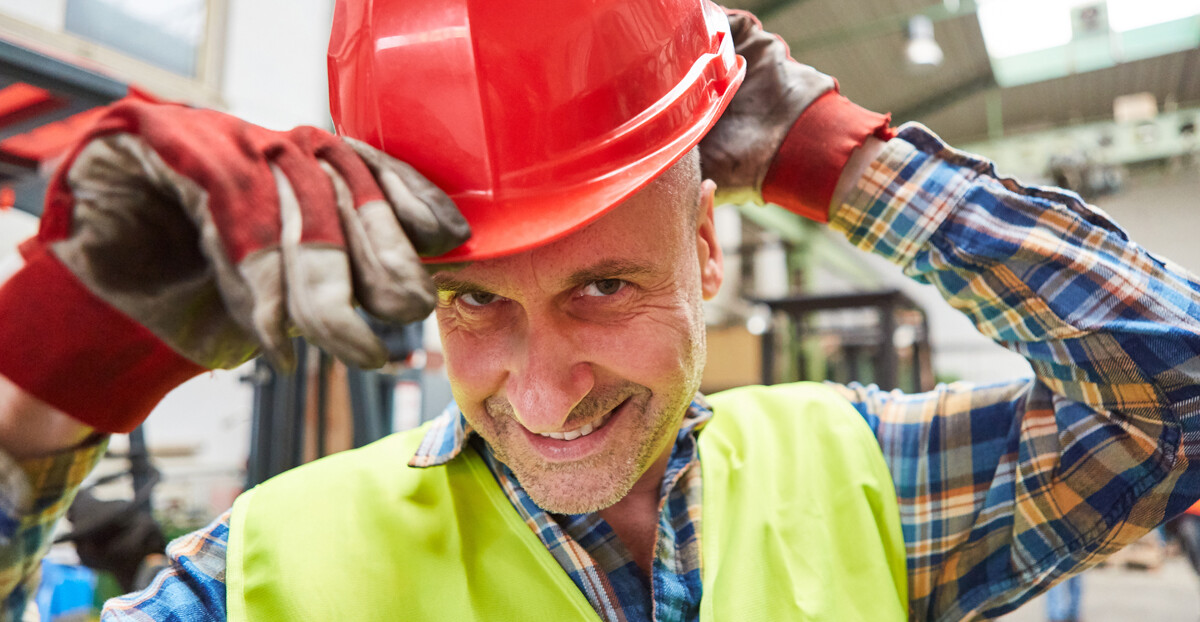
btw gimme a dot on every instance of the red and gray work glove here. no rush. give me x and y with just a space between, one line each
788 133
177 240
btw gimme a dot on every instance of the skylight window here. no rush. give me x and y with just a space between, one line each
1014 27
1033 40
1126 15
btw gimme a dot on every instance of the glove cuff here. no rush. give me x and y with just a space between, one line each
805 170
71 350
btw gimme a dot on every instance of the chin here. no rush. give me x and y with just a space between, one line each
578 488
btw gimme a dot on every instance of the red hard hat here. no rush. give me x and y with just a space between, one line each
535 116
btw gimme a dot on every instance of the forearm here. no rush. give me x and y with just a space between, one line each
38 482
34 495
30 428
44 457
1049 474
192 587
856 168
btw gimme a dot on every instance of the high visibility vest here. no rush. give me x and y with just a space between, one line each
799 522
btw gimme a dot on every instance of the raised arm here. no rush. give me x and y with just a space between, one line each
1006 489
177 240
1003 489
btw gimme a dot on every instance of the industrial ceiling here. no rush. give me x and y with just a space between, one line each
862 42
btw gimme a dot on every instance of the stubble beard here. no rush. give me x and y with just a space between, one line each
649 426
602 479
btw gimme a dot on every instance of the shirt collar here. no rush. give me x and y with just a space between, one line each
449 433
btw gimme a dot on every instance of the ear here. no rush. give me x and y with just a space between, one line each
708 249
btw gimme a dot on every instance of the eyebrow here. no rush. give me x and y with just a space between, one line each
447 283
606 269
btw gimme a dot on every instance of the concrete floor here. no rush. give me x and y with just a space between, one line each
1170 593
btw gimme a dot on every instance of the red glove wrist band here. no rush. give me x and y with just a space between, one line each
69 349
805 171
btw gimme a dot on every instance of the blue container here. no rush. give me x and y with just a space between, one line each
65 591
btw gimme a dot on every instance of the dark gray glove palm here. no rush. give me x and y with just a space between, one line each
737 152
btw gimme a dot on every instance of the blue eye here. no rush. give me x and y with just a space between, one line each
478 299
604 287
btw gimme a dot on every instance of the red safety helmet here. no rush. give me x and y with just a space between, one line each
535 116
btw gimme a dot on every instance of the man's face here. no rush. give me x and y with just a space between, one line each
576 361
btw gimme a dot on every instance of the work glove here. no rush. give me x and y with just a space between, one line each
788 132
177 240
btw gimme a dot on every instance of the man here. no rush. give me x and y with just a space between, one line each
577 474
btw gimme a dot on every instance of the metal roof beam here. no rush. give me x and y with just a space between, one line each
24 65
773 8
73 107
947 97
15 167
882 26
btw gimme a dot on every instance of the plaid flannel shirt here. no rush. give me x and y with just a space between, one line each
1003 489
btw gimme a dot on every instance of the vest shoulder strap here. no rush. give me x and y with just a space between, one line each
800 517
361 532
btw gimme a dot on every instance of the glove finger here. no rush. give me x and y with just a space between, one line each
348 167
313 194
389 279
243 248
319 296
255 294
428 215
741 23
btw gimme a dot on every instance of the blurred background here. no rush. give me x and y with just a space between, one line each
1100 96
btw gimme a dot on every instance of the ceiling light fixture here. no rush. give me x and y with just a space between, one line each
922 50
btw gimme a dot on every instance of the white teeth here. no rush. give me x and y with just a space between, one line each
583 431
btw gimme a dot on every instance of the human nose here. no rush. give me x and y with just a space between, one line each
548 377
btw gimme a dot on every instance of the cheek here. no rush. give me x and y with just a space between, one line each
474 362
652 349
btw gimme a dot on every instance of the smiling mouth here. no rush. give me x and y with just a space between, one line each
585 429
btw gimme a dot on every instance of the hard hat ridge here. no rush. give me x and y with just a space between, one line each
536 117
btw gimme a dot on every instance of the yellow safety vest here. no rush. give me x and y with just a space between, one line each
799 522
